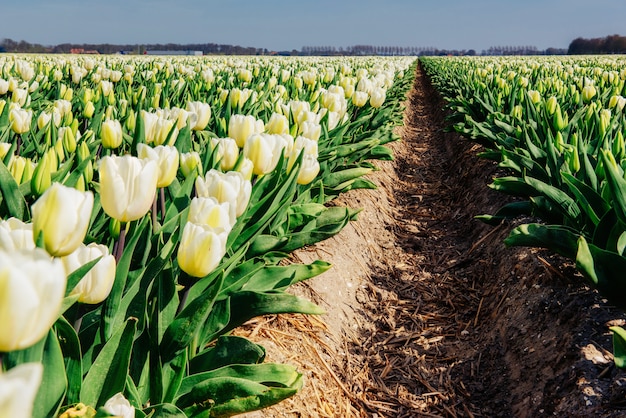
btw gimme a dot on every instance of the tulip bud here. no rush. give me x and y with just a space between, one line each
551 105
111 133
201 249
4 149
588 93
68 139
127 186
89 110
62 214
534 96
559 120
19 388
202 111
33 287
97 283
517 111
42 176
190 164
605 121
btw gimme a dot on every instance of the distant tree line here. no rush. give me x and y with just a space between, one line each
613 44
9 45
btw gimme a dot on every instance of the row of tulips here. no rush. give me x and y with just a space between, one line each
148 207
557 125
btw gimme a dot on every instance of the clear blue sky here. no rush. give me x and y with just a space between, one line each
291 24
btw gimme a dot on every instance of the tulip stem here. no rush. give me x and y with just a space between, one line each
154 215
162 196
119 250
1 357
19 144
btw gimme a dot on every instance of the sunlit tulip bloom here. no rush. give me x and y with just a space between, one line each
127 186
20 119
202 111
229 187
311 130
62 215
164 132
119 406
259 149
21 169
167 159
244 75
588 93
4 86
33 286
534 96
551 105
365 84
308 170
111 133
45 117
89 110
278 124
16 234
190 164
64 106
208 211
334 119
4 149
246 168
304 145
19 96
377 97
359 98
227 152
18 388
240 127
298 107
97 283
201 249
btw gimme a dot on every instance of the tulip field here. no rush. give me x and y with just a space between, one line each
556 126
148 206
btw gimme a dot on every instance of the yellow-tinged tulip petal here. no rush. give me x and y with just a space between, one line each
127 186
32 286
201 249
62 214
97 283
19 387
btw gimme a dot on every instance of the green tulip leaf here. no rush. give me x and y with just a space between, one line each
54 381
107 375
619 346
559 239
227 350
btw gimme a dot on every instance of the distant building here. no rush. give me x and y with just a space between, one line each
187 52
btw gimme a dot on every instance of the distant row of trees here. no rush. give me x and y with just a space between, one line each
614 44
9 45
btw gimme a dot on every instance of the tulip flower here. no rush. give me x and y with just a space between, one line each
190 164
308 170
278 124
201 249
111 133
264 150
588 93
20 120
359 98
33 286
97 283
4 149
16 234
208 211
18 388
4 86
62 215
127 186
119 406
167 159
240 127
202 111
246 168
227 152
229 187
377 97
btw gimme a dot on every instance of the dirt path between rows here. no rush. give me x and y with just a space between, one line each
429 314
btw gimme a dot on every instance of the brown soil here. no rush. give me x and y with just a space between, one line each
429 314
